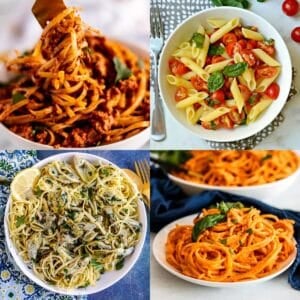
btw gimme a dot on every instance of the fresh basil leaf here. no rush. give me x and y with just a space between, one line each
269 42
224 207
217 2
261 0
173 158
20 221
234 3
246 4
215 50
215 81
213 102
268 156
204 223
120 264
17 97
213 125
198 39
96 265
123 72
235 69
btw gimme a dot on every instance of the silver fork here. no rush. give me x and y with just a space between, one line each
158 127
142 169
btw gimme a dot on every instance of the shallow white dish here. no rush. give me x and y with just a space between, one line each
158 249
108 278
184 31
260 192
14 141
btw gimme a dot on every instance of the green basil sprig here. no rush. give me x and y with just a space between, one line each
123 72
215 81
198 39
214 219
235 69
215 50
234 3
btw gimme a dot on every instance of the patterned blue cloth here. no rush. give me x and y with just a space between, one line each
15 285
169 203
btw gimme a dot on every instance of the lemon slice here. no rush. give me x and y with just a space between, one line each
23 183
135 178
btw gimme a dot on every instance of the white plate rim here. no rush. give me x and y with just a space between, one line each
158 250
18 260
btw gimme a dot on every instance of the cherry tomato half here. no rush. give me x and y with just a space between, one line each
181 93
217 58
296 34
218 95
229 38
265 72
249 57
230 48
235 116
267 48
273 91
290 7
177 67
226 122
198 83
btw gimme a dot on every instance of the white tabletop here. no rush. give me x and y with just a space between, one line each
286 136
167 286
114 18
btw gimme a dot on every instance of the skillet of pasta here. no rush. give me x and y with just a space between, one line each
231 243
76 88
225 75
238 168
77 222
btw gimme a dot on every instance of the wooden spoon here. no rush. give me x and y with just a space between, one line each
45 11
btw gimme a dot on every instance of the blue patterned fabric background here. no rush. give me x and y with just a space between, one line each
15 285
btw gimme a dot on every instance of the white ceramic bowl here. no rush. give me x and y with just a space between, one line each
107 279
158 248
260 192
14 141
183 33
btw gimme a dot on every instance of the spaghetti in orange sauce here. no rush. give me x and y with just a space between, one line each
76 88
246 245
238 168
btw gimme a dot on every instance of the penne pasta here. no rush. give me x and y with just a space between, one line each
196 98
252 35
258 108
266 58
216 113
178 81
264 83
217 66
216 23
236 93
195 68
230 25
201 59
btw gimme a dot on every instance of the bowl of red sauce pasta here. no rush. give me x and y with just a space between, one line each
225 74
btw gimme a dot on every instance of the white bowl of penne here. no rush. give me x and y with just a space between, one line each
225 74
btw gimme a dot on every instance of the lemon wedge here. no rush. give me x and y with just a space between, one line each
23 183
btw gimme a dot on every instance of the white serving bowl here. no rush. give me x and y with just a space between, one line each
184 31
14 141
107 279
259 192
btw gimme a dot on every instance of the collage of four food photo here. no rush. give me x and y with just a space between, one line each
149 149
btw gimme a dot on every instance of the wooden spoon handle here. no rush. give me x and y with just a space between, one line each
45 11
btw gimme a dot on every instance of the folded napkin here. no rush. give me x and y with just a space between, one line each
13 283
169 203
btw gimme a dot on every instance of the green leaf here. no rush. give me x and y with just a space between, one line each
268 156
217 2
123 72
20 221
215 81
120 264
213 102
173 158
198 39
215 50
94 263
235 69
224 207
249 231
38 192
213 125
206 222
269 42
261 0
234 3
17 97
223 241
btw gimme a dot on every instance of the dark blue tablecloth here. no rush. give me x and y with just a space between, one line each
135 285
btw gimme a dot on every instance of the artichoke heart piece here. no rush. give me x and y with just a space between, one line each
86 171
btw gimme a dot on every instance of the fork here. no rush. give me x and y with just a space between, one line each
158 127
142 169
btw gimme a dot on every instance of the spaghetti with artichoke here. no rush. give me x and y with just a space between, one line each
76 88
78 221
